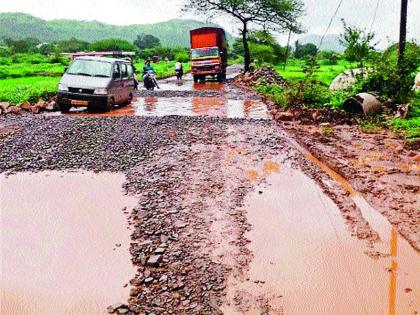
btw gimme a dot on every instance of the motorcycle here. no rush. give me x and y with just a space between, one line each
150 80
179 73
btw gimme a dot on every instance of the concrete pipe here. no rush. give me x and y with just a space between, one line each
362 103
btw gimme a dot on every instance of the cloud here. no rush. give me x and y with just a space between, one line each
318 13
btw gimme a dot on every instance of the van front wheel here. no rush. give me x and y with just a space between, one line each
110 105
64 108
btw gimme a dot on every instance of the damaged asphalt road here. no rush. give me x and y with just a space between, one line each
195 233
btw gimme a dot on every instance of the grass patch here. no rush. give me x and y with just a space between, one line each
409 127
369 127
325 73
21 70
16 91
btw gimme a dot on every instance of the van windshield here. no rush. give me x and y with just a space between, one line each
204 52
91 68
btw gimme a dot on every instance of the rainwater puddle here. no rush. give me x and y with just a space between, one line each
201 106
306 261
186 106
217 106
64 243
187 84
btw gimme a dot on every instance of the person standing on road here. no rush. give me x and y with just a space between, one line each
136 80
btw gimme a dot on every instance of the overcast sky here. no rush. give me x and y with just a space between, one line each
318 13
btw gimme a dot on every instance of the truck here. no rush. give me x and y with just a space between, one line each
209 53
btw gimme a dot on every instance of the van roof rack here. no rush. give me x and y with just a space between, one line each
113 54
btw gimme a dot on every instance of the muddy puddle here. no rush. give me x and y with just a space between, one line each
305 260
187 106
64 243
187 84
217 106
201 106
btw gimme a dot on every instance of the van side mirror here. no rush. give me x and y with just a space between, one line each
115 75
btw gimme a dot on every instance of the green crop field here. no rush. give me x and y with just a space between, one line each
19 90
326 73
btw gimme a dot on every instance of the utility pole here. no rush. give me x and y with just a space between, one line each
403 32
287 49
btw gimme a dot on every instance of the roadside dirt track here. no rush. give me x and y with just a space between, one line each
231 217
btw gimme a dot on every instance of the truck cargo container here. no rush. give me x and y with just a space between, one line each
209 53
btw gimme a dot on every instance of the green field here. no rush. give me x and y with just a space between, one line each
326 73
30 77
19 90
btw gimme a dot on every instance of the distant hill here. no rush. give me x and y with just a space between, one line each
18 25
330 42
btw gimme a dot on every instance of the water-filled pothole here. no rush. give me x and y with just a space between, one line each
64 243
305 260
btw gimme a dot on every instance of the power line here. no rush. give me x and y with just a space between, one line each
374 16
329 24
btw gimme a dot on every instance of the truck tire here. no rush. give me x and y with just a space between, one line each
224 75
64 108
220 77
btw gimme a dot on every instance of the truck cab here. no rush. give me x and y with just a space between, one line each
209 53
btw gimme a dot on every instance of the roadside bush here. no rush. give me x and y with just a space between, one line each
169 53
262 53
275 92
411 125
388 81
30 58
183 57
4 52
328 58
112 44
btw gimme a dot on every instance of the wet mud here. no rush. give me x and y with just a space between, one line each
64 243
290 272
231 216
376 165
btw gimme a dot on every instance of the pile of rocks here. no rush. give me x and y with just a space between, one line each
40 106
263 75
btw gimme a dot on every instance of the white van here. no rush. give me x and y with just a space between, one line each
97 83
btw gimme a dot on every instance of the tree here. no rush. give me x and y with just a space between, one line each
48 49
262 53
307 50
22 45
358 43
144 41
72 45
276 15
263 47
111 45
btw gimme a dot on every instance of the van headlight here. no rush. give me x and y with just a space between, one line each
101 91
62 87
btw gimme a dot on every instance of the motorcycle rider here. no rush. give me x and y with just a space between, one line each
179 70
148 67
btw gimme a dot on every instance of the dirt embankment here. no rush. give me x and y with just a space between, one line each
379 165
